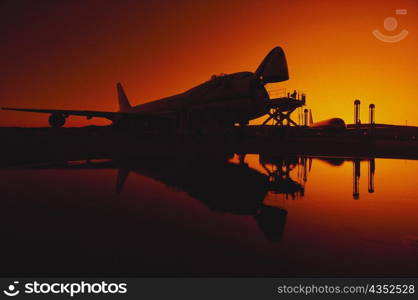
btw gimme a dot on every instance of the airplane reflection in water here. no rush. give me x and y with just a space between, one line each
278 171
221 185
227 184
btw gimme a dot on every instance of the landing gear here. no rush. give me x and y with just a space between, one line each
56 120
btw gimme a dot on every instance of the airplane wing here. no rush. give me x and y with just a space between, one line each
58 116
87 113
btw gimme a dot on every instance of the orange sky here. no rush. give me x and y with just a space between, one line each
70 54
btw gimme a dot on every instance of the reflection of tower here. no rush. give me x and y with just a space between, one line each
357 112
372 168
305 168
371 114
356 179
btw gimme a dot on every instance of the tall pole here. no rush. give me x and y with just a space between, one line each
357 112
371 114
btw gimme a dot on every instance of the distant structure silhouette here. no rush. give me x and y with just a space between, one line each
357 112
371 114
305 117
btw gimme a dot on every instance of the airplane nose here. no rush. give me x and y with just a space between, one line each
274 67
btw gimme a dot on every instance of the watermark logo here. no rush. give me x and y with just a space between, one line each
390 24
66 288
12 290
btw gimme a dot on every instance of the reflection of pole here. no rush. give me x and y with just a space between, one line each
356 179
305 169
372 168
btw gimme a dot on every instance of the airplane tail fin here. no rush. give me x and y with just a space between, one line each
274 67
124 105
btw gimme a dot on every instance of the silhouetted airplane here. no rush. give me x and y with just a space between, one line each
224 100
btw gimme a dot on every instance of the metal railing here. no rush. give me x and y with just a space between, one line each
282 93
277 93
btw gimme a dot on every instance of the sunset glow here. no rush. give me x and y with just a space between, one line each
70 54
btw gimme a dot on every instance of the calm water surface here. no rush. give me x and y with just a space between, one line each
258 215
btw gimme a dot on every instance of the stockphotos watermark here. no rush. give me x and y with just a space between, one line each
391 24
65 288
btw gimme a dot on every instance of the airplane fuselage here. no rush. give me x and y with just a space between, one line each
223 100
